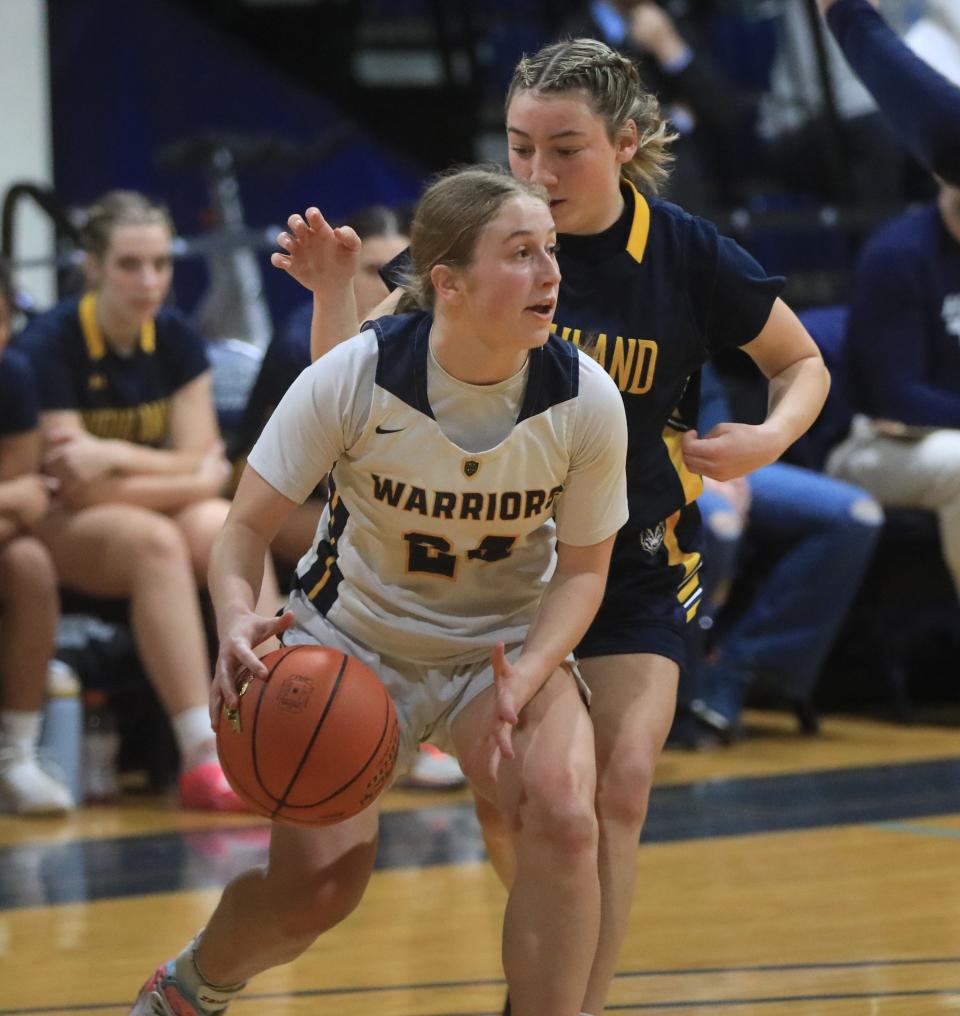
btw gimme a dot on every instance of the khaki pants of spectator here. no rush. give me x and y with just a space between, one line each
907 472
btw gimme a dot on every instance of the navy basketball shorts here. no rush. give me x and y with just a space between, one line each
653 590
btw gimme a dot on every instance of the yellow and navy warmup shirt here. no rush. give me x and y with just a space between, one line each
19 402
651 299
122 397
439 535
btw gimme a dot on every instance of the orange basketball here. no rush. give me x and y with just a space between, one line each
315 742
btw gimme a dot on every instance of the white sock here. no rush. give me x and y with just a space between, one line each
211 998
20 730
195 738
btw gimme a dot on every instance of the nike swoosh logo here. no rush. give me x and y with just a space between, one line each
388 430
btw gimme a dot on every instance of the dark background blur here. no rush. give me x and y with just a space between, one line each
339 103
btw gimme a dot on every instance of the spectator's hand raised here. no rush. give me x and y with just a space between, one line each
317 255
653 30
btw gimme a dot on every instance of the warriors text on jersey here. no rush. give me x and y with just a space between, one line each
447 497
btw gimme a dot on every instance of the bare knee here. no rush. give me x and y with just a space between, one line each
26 571
624 785
199 525
160 546
559 811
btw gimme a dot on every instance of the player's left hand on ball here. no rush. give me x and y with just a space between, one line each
237 657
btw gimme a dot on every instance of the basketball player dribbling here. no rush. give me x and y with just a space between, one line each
653 292
477 484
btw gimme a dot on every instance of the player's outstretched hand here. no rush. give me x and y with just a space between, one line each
237 657
317 255
730 450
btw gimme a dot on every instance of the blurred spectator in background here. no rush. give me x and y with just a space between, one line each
904 327
922 105
701 105
815 536
904 368
862 161
131 437
28 586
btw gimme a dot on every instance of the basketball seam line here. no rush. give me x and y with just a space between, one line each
353 779
287 650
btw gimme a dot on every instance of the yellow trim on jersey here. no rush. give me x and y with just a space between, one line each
692 483
148 336
325 578
96 347
93 337
331 559
640 230
689 590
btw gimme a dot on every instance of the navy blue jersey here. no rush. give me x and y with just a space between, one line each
19 403
651 299
124 397
904 326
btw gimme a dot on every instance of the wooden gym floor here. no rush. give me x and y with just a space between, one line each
785 875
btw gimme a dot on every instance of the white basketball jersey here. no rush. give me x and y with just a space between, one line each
426 551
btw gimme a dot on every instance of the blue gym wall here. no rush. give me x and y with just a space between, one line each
129 78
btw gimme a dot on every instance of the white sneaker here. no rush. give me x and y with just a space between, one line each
25 789
434 770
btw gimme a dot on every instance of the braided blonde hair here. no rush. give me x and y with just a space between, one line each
612 86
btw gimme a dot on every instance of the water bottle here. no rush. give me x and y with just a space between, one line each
101 745
61 737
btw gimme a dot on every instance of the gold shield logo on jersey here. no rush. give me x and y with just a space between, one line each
470 467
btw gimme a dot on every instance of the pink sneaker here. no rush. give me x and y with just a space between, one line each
433 770
160 996
204 788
